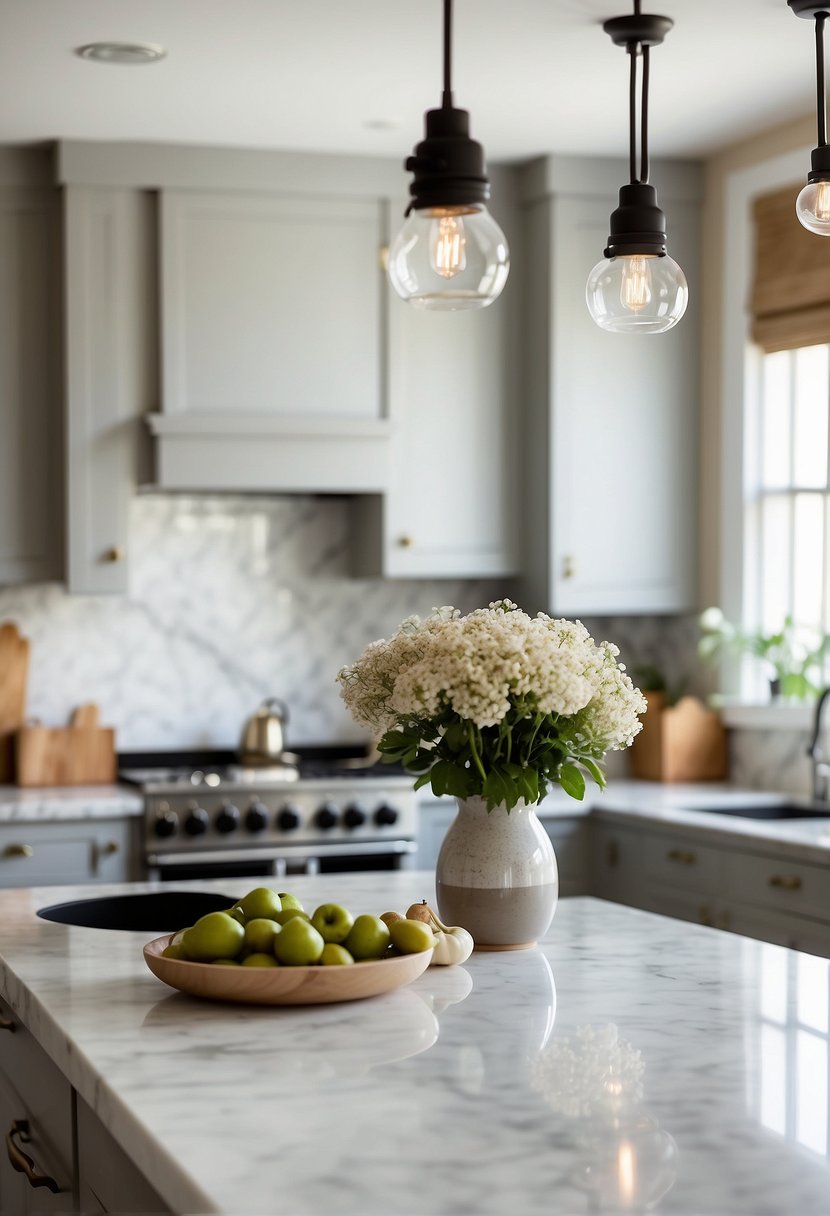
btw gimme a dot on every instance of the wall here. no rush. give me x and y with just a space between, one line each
233 599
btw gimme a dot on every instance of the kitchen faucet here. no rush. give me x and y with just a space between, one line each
821 768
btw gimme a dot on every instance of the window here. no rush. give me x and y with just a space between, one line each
787 495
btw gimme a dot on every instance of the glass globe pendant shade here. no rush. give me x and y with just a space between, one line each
637 293
813 207
449 258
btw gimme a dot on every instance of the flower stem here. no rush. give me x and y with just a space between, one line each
474 751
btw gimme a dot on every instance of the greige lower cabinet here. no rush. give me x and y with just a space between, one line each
37 1171
58 1156
57 853
748 890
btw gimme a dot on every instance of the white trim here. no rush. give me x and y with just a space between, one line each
768 717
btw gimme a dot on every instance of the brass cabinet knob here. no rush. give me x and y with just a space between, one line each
110 848
116 553
383 257
785 882
683 857
405 542
19 1161
569 567
18 850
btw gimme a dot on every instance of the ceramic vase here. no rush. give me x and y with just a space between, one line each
497 876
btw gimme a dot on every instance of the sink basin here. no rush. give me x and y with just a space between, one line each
768 810
151 912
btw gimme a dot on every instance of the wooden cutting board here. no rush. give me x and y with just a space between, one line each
14 671
82 753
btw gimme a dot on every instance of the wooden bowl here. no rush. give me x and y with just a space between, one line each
284 985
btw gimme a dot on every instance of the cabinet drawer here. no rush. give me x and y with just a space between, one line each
782 884
683 863
108 1181
49 854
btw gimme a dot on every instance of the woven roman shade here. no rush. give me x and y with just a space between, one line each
791 290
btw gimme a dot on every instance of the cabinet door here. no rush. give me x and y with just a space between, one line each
108 1181
449 507
30 423
111 376
570 843
617 866
623 438
434 820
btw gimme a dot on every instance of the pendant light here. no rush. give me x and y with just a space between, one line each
450 253
637 287
813 203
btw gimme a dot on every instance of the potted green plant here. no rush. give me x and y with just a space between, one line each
796 657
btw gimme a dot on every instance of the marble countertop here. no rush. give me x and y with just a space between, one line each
627 1062
68 802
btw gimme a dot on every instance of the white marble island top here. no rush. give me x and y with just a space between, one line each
475 1090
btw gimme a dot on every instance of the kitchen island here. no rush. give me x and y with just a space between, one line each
627 1061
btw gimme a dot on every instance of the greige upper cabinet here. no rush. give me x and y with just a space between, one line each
30 394
451 506
272 338
611 439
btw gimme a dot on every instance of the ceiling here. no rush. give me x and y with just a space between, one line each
355 75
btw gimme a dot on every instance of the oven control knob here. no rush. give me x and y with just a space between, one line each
326 817
166 821
227 820
385 815
196 823
256 820
354 816
288 819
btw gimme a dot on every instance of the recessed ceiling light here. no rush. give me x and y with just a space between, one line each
121 52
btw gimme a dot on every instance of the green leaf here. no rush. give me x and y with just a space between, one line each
595 771
423 780
572 781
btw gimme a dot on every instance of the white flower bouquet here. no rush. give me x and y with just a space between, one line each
495 704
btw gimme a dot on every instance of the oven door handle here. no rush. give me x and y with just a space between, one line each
298 852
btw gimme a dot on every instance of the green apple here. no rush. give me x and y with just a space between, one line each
411 936
299 944
174 950
335 956
216 935
259 960
368 938
260 934
290 901
261 902
287 914
332 922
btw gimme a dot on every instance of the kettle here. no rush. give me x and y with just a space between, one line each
263 735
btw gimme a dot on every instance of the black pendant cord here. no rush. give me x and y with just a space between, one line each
635 49
821 102
446 98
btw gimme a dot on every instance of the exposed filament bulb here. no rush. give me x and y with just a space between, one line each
635 289
449 249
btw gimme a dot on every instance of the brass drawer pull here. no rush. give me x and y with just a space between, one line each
8 1024
406 542
23 1164
785 882
683 857
18 850
612 853
110 848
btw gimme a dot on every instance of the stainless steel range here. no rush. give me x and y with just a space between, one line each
314 816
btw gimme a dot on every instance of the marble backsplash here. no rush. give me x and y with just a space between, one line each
235 598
